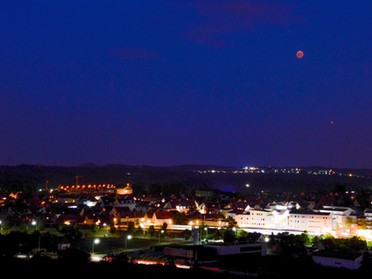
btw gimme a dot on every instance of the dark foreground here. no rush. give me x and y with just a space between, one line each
279 268
46 268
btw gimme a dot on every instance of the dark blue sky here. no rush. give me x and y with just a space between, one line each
186 82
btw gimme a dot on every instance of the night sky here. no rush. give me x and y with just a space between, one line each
186 82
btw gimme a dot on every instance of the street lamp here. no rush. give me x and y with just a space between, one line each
35 223
95 241
160 232
206 233
129 236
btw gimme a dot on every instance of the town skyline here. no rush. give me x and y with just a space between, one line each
227 179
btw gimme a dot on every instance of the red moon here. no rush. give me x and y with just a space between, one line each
300 54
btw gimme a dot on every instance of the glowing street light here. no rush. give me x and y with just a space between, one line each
95 241
129 237
160 232
35 223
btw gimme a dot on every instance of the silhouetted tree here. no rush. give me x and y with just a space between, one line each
229 236
164 226
131 228
139 230
112 229
95 228
71 233
187 234
151 230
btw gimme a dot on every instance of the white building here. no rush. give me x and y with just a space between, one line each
339 215
348 261
312 222
255 219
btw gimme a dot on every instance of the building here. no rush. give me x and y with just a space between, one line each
309 221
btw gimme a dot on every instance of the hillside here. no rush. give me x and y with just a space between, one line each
32 177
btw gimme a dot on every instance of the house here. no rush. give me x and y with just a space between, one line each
123 215
339 259
181 205
368 218
125 201
214 219
160 217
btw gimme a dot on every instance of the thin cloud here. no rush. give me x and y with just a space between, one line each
219 18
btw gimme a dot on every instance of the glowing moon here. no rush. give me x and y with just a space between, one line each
300 54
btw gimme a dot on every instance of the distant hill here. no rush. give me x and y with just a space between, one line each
22 177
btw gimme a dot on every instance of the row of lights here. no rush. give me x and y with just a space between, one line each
96 241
